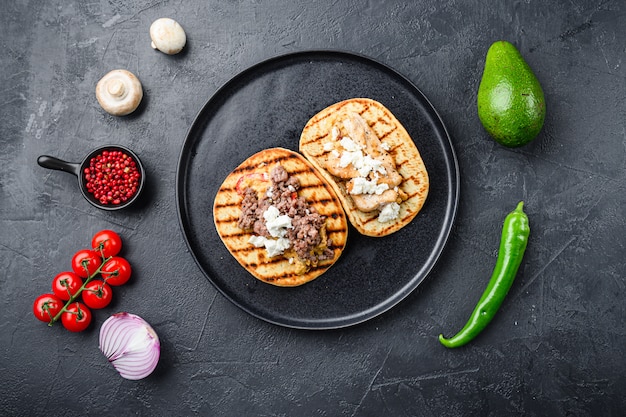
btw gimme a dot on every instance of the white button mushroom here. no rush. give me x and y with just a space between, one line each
167 36
119 92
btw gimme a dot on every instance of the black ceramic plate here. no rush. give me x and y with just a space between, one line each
266 106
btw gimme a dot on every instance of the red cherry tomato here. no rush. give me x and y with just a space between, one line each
108 242
66 284
46 306
116 271
97 294
85 262
76 317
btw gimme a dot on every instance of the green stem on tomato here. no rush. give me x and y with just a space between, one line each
100 248
109 275
67 287
46 307
79 313
80 290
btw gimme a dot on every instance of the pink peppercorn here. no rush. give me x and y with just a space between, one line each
112 177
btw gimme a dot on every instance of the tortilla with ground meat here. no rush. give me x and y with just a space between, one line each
252 180
414 185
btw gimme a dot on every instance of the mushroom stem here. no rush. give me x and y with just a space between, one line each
119 92
116 88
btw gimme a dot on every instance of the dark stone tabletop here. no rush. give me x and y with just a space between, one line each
556 347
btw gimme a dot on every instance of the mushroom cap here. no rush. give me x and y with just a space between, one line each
119 92
167 36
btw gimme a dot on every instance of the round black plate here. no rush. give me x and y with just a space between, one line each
266 106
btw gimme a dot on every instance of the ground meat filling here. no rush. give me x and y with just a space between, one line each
308 231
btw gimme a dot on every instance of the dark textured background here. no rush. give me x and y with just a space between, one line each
557 346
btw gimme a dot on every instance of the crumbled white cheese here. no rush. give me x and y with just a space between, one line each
385 146
272 246
276 246
350 157
353 155
364 164
276 223
370 164
328 146
389 212
277 226
364 186
349 145
258 241
335 133
269 191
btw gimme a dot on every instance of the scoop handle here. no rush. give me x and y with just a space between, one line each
51 162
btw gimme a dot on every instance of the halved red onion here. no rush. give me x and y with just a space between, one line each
130 344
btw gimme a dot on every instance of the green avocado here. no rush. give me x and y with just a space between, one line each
511 105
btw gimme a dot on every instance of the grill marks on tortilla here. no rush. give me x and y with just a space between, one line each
380 126
228 212
303 188
313 187
276 159
277 261
402 149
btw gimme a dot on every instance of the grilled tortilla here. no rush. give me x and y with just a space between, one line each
281 270
319 143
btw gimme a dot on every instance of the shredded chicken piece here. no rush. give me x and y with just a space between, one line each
360 133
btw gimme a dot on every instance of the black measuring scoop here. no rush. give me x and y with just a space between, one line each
78 170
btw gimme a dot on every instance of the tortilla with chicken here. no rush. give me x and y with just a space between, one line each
372 163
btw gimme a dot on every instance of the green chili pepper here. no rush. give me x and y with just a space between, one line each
515 233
